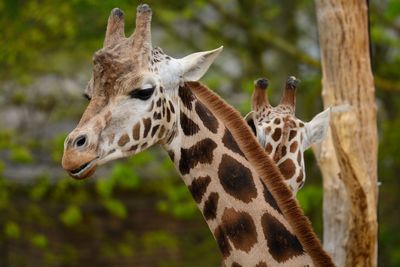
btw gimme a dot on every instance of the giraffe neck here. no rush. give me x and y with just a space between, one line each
240 211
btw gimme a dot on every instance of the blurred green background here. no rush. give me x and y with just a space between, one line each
137 212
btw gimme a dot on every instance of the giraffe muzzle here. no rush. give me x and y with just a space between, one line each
84 171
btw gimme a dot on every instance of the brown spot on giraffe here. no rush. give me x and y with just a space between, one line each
210 206
147 126
282 245
240 229
236 179
133 148
293 147
230 143
123 140
188 126
186 97
201 152
198 187
222 241
268 148
292 134
168 115
300 177
235 264
136 131
206 117
261 264
277 134
161 132
287 168
154 130
270 199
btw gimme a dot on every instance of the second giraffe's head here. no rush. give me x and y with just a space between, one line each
132 92
284 136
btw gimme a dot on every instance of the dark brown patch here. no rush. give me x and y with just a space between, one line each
158 102
142 147
230 143
171 107
283 151
168 115
236 179
270 199
268 130
301 124
133 148
292 134
188 126
235 264
154 130
277 121
136 131
261 264
147 126
287 168
198 187
201 152
123 140
157 116
186 97
293 147
207 117
240 229
161 132
222 242
277 134
282 245
300 177
171 155
210 206
268 148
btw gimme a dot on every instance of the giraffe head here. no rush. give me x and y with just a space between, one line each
132 94
284 136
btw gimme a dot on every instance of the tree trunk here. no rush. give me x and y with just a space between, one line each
348 157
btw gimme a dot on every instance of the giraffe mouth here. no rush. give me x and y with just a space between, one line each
85 170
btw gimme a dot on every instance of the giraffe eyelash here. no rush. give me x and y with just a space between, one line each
86 96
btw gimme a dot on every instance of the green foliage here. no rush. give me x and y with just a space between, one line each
21 155
116 207
71 216
12 230
39 241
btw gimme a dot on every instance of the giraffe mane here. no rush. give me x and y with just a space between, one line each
267 170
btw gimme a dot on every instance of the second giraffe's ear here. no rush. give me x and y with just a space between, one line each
317 128
196 65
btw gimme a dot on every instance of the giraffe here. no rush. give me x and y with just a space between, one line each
284 136
139 97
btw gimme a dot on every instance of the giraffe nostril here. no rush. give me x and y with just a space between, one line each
80 141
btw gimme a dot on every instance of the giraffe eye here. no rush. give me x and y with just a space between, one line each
142 94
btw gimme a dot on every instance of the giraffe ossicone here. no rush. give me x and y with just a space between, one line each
139 97
283 136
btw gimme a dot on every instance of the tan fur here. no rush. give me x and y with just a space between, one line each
267 170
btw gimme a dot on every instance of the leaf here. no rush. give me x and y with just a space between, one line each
11 230
71 216
115 207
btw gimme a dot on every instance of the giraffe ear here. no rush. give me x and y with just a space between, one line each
196 65
317 128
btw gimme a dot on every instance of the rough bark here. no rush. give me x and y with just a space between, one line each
348 157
